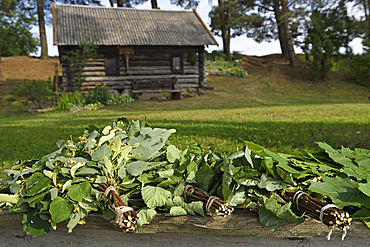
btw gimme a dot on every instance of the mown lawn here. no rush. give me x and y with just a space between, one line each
276 108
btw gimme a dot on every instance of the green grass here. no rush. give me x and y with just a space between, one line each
277 109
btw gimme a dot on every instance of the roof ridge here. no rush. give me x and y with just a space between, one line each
120 8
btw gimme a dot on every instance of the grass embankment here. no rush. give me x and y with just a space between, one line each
273 106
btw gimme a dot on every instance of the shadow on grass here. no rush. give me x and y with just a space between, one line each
27 142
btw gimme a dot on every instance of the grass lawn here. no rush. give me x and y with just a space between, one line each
274 107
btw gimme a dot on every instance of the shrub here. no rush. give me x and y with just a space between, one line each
220 67
360 66
39 92
67 100
93 106
117 100
99 93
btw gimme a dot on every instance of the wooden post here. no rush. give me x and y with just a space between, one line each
127 50
56 79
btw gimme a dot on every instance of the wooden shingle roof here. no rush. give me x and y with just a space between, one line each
129 27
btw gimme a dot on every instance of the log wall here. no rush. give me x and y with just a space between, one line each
150 63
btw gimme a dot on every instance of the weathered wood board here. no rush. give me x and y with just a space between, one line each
235 230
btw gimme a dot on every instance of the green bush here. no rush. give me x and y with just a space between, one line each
99 93
67 100
117 100
221 67
360 66
93 106
39 92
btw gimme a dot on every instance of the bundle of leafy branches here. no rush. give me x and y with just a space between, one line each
131 172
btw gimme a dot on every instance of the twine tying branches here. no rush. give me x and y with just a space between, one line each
329 214
212 204
125 216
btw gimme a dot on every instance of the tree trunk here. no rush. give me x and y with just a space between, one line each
44 44
280 25
224 30
367 13
0 67
228 25
154 4
120 3
287 36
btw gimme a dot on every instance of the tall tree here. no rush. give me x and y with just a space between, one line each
287 37
42 8
362 24
15 30
41 20
229 19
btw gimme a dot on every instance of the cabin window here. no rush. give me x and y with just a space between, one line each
177 65
111 63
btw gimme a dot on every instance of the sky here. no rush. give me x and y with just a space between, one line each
241 44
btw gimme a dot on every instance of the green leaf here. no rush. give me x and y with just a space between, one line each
226 179
75 167
66 185
73 221
268 218
36 183
155 196
146 215
60 209
179 190
363 213
337 156
192 167
88 206
167 183
191 178
33 224
173 154
166 173
106 138
34 200
282 162
53 193
365 187
238 197
271 184
124 153
205 177
101 152
176 211
101 180
9 198
342 190
273 213
150 140
48 173
197 207
136 168
108 165
77 192
108 214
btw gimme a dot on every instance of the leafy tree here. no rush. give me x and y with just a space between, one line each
360 66
229 19
362 24
15 31
43 10
262 20
328 31
317 47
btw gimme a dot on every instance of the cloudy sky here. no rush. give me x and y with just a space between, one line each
242 44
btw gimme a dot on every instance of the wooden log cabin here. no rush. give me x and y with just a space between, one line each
142 46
